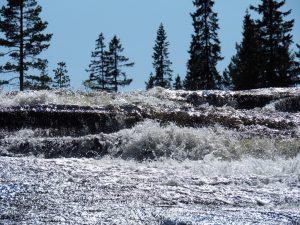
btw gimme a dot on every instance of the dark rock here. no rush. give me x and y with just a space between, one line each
289 105
69 119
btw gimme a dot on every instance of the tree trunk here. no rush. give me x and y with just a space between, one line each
116 72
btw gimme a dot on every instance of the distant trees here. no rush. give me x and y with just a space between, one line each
178 83
61 78
161 62
244 66
204 49
275 40
107 66
263 58
150 83
21 30
226 82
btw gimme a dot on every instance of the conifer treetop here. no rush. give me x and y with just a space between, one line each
23 37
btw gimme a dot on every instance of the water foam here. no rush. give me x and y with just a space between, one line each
92 99
155 141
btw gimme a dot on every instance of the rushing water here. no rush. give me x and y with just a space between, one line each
150 157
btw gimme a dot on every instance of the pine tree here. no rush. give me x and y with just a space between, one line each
116 63
205 48
61 78
275 36
178 83
98 66
23 37
245 65
161 62
150 83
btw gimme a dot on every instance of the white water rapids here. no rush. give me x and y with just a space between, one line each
152 172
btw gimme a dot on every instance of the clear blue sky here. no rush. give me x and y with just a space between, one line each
76 24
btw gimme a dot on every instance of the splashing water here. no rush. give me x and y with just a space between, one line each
161 164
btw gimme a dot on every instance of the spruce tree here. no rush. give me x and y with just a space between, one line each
61 78
98 66
204 49
245 65
150 83
21 30
276 38
116 75
161 62
178 83
227 83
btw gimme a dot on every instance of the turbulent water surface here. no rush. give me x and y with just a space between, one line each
158 157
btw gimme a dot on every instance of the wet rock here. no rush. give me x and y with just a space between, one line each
237 100
72 119
59 147
289 105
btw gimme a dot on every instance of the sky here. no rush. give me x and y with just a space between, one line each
76 24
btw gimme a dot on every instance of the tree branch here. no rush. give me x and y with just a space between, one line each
7 53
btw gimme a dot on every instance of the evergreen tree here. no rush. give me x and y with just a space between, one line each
297 56
150 83
161 62
296 70
298 52
44 81
275 37
41 82
227 83
116 63
23 37
205 48
98 66
61 78
178 83
245 65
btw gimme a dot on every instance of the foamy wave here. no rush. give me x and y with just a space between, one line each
92 99
151 140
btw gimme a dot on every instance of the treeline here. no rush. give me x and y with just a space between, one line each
264 57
